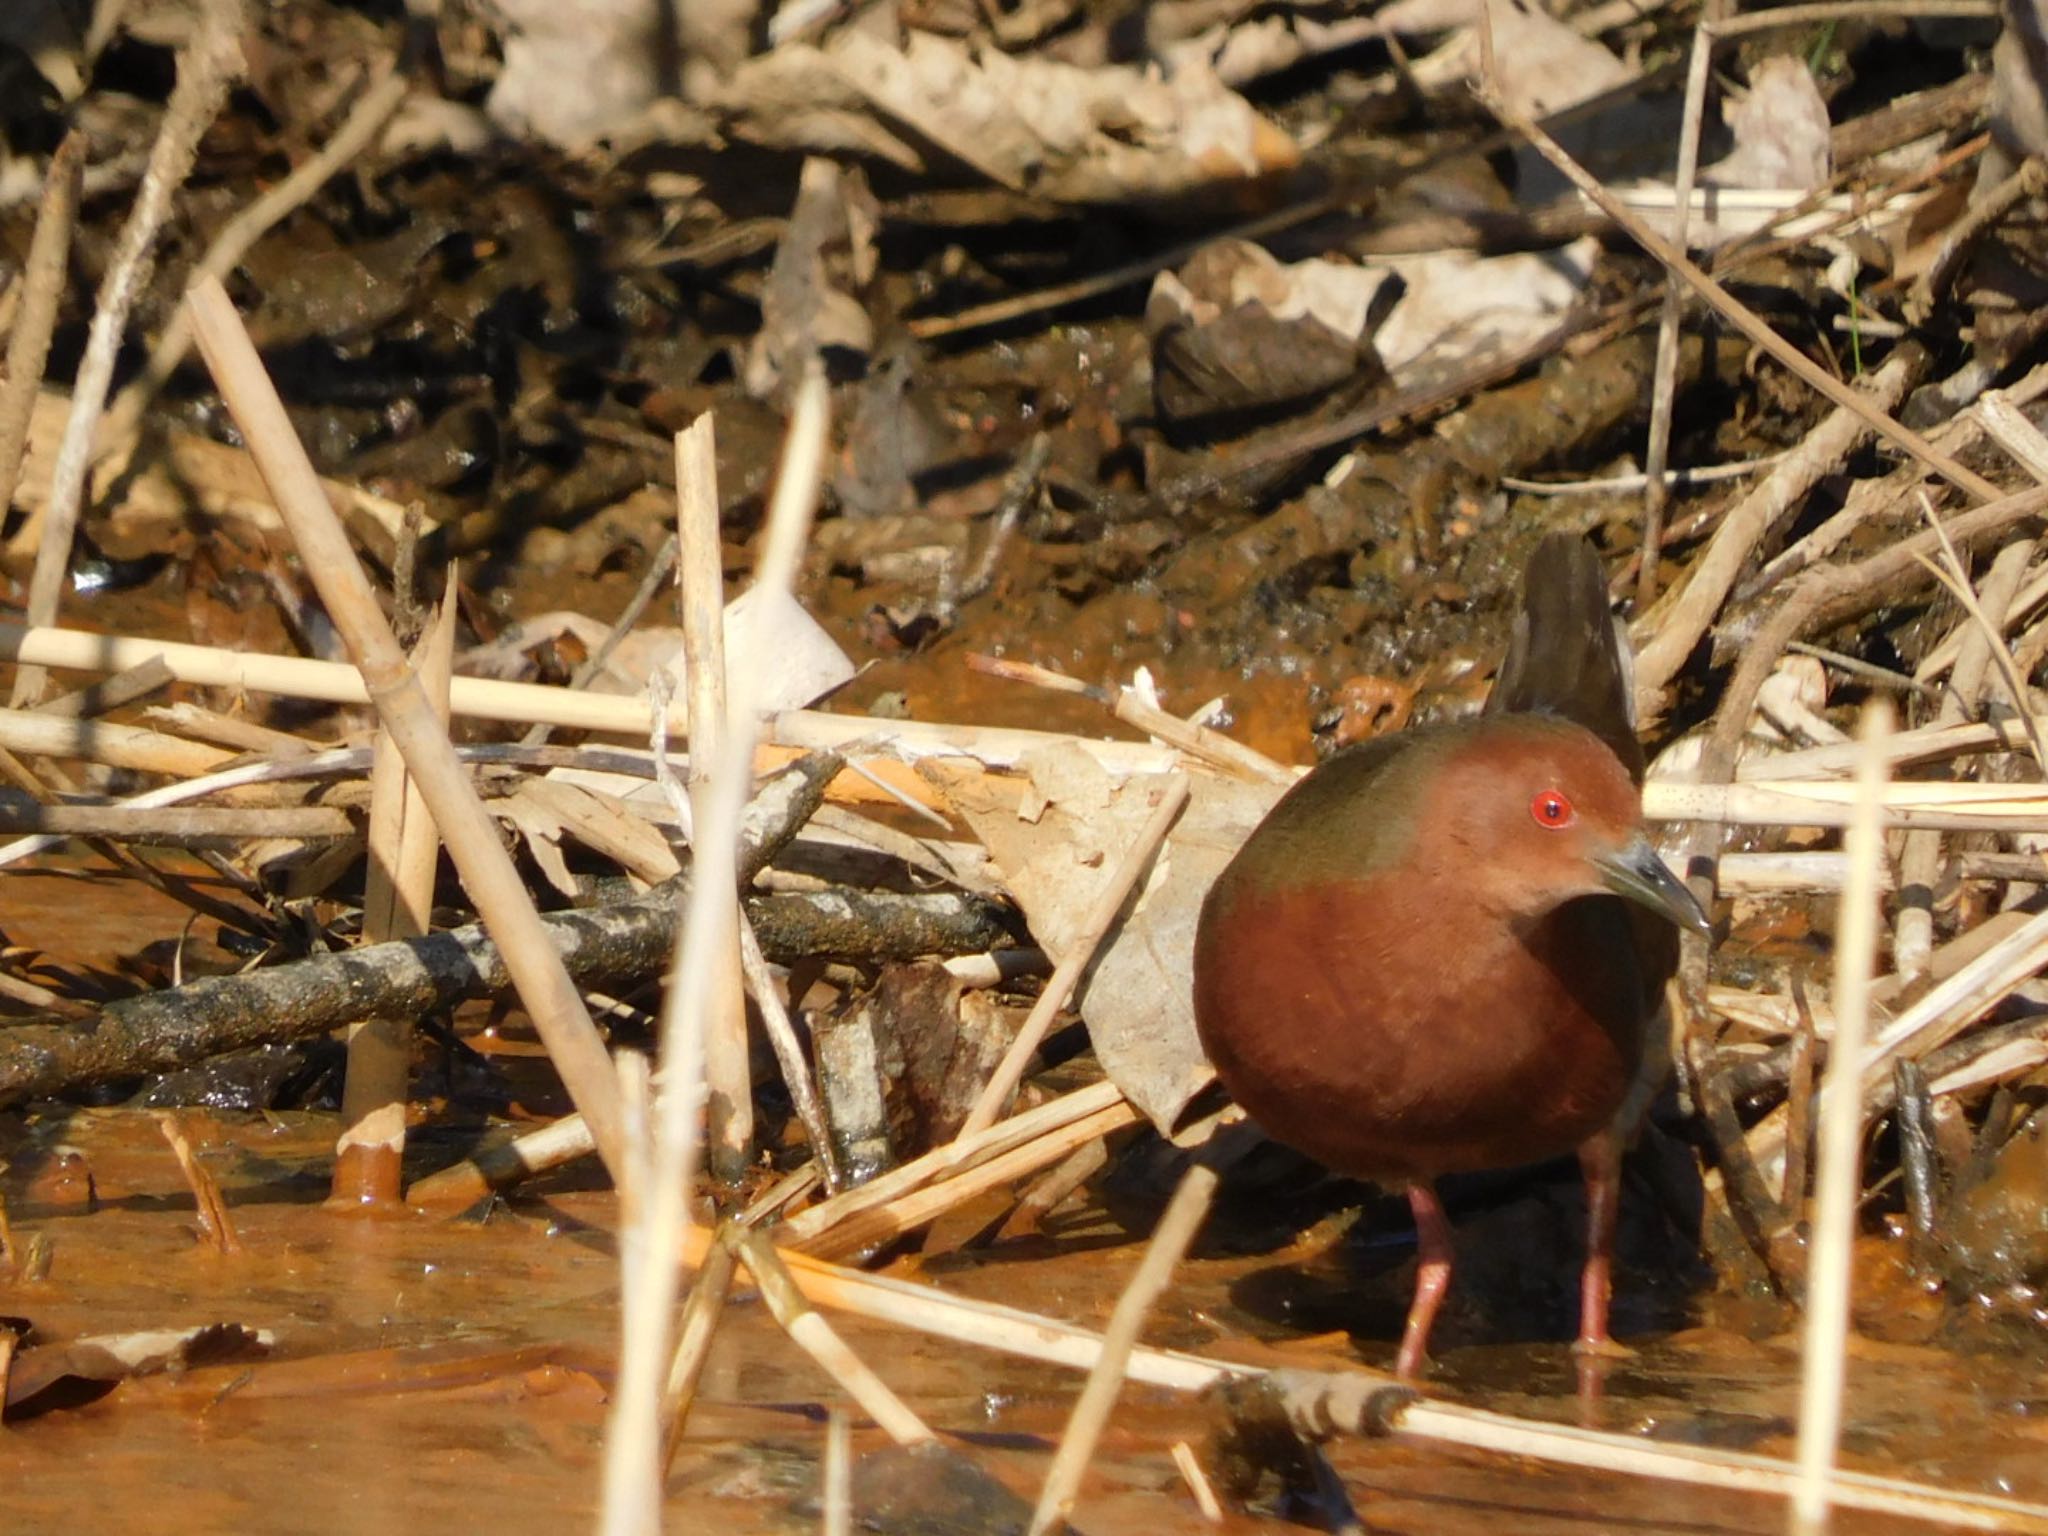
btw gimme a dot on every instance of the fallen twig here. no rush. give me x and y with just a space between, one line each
364 122
28 344
207 65
415 977
1738 314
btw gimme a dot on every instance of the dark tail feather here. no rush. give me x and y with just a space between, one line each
1568 655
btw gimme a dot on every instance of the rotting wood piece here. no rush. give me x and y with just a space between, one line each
604 947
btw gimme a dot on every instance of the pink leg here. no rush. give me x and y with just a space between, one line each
1600 1161
1432 1279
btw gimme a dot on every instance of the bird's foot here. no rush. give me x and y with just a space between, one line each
1411 1364
1601 1348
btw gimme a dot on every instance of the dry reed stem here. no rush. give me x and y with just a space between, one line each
1824 1353
1949 806
1134 709
1920 859
693 1346
1872 498
398 903
206 65
1927 744
42 295
1831 593
1009 1072
1726 304
835 1499
1706 36
1044 1195
1617 485
110 693
31 734
1984 211
239 235
461 1186
961 1152
1711 577
1190 1469
333 763
214 1220
183 827
1199 741
818 1339
1951 574
651 1249
543 983
43 1000
909 1212
729 1108
789 1053
1935 1018
1799 1102
793 731
1010 1330
1664 378
2006 426
1177 1227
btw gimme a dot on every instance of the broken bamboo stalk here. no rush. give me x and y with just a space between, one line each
544 985
398 903
729 1088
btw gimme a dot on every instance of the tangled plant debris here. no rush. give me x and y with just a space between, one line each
1181 394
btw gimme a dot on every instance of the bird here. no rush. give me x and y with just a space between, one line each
1444 949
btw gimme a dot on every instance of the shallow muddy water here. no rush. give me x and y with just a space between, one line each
430 1374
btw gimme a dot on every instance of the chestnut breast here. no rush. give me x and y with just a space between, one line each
1401 976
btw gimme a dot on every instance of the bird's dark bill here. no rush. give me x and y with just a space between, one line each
1635 872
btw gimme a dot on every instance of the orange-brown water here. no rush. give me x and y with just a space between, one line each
434 1375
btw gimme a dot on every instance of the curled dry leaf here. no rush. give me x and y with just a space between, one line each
580 72
1055 130
1546 64
803 664
1457 306
55 1376
1781 130
1058 841
1234 329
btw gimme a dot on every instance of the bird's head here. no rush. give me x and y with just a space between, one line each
1536 811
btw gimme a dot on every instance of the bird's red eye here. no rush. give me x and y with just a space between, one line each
1552 810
